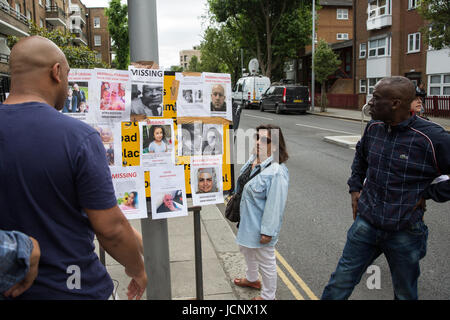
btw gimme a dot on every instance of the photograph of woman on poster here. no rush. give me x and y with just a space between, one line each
112 96
129 201
156 139
212 140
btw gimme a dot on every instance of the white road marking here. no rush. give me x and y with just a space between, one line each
249 115
304 125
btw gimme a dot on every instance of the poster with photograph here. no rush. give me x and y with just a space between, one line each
190 100
108 137
190 138
157 142
206 180
112 90
217 90
129 187
168 192
147 88
212 139
81 81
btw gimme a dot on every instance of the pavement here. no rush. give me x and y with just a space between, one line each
221 259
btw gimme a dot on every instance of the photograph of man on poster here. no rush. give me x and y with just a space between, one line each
218 98
147 100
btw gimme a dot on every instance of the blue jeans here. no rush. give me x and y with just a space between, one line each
403 250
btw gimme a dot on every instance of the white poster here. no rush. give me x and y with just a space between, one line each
217 90
112 91
206 180
129 186
190 138
81 85
168 192
147 88
190 101
157 142
110 141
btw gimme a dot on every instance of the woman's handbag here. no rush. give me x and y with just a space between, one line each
232 212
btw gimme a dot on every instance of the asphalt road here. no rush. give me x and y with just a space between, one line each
318 214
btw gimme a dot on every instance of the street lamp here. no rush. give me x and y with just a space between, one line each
312 52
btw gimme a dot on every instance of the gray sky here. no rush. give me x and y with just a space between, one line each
179 26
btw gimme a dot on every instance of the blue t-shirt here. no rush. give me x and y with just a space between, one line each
51 167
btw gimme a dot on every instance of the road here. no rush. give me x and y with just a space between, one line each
318 215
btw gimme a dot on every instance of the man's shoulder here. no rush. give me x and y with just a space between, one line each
429 128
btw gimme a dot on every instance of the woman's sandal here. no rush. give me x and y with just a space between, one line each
243 282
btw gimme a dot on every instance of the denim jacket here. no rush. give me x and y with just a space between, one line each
262 204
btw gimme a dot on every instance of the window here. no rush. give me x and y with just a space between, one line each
342 14
96 22
48 3
41 23
362 50
372 83
362 86
439 85
18 9
97 40
379 8
40 3
412 4
379 48
342 36
29 15
414 42
98 56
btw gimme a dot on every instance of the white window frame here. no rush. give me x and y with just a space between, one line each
96 19
97 40
415 37
40 3
374 9
342 14
342 36
362 85
371 82
41 23
443 84
377 47
29 15
362 52
413 4
17 8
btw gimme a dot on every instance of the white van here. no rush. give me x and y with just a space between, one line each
248 90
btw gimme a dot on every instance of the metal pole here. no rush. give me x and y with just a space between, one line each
242 62
312 64
143 33
198 253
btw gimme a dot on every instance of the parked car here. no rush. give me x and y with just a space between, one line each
285 97
248 90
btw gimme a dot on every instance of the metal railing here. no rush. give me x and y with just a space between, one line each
4 58
13 13
55 9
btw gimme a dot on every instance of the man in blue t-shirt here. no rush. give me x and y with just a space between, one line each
55 183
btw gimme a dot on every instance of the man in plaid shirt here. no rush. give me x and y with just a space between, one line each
395 163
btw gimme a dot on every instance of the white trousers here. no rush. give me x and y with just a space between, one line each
264 261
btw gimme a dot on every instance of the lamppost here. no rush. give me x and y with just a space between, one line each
312 52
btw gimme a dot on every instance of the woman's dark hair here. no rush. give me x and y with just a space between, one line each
280 153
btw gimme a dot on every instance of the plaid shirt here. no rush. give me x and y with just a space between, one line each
15 251
399 164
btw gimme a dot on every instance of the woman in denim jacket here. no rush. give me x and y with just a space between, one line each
262 206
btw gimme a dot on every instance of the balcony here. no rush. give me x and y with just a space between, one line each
80 37
379 22
76 12
12 22
55 16
378 67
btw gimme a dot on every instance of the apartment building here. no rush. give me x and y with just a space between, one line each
388 42
186 56
89 25
334 24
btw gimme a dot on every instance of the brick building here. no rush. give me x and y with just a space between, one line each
388 42
186 56
89 25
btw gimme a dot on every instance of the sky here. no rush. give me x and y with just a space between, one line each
179 26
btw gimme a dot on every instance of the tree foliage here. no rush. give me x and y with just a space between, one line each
118 29
77 56
326 62
437 16
271 30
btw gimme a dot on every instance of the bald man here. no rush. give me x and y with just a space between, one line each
218 98
395 163
55 183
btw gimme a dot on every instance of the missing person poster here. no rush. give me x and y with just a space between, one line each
109 140
112 90
168 192
157 146
190 138
81 83
217 90
147 88
129 186
190 100
206 180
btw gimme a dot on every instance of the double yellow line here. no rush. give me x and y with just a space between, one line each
296 277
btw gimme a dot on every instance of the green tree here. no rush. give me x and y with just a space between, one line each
326 62
176 68
272 30
194 65
118 29
77 56
437 15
